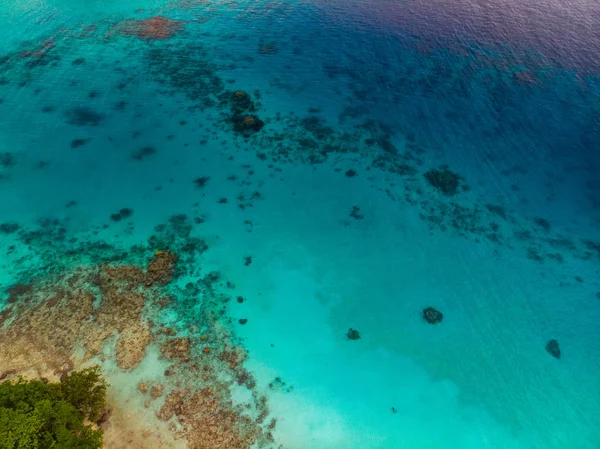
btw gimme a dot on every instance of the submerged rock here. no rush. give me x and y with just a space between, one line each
553 348
432 316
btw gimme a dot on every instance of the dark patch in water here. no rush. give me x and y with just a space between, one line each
84 116
553 348
9 228
78 143
143 153
7 160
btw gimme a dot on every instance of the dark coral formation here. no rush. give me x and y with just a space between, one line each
241 102
18 291
243 108
542 223
41 55
432 316
178 348
201 182
356 214
122 214
444 180
9 227
84 116
247 123
7 160
143 153
352 334
76 143
186 69
553 348
161 268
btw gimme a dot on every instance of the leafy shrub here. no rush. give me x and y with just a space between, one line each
86 390
35 415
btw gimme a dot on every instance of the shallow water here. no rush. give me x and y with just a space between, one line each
328 218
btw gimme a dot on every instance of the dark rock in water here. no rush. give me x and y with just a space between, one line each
352 334
432 316
553 348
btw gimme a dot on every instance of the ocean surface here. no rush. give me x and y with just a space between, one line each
348 165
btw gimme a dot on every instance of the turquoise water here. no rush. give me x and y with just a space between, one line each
331 200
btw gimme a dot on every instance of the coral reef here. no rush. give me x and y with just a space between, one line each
83 308
355 213
352 334
432 316
241 102
152 28
161 268
122 214
553 348
247 123
9 228
84 116
7 160
243 110
114 312
444 180
202 181
176 348
76 143
143 153
131 345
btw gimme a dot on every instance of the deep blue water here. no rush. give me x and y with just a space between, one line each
363 104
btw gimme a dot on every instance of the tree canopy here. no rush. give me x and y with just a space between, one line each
38 415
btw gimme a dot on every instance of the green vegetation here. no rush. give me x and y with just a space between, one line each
38 415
